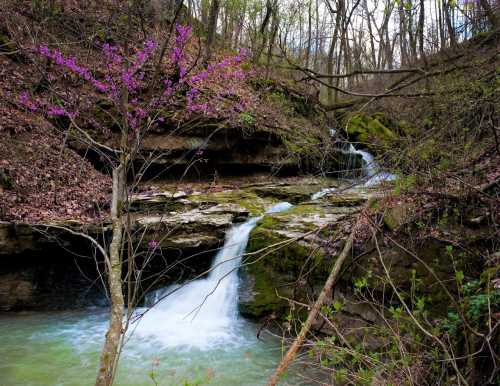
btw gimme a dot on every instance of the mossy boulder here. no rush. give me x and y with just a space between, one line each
269 271
245 198
367 129
397 216
287 257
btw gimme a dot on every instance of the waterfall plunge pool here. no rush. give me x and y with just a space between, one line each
194 336
62 348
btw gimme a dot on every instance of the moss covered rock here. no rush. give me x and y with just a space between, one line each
367 128
287 257
290 193
254 204
397 216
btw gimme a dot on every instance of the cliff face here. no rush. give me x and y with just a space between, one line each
253 125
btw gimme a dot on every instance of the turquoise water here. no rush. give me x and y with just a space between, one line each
171 344
62 348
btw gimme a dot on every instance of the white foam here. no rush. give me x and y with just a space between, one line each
203 313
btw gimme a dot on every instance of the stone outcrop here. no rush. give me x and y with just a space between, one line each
41 265
291 253
288 253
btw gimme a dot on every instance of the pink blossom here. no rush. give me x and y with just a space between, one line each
27 102
153 244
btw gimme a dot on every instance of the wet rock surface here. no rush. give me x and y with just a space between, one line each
288 252
189 225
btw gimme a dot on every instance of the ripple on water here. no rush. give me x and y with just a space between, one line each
39 349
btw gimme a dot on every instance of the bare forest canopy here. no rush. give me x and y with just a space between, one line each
339 45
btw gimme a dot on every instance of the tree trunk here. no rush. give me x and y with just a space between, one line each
309 33
411 33
403 48
317 38
441 25
331 53
272 39
449 26
370 32
204 12
420 31
262 36
111 349
212 28
491 13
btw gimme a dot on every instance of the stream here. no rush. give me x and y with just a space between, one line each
193 336
62 348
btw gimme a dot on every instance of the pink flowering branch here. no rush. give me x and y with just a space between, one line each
127 74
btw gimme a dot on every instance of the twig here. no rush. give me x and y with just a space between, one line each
332 278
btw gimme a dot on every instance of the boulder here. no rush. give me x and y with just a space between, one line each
282 249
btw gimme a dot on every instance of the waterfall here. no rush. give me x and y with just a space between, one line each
371 170
204 312
371 173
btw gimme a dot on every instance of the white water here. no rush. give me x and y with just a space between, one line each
322 193
181 342
371 169
203 313
372 175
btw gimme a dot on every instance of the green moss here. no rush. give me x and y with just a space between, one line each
157 207
246 199
345 200
307 208
367 128
277 268
293 194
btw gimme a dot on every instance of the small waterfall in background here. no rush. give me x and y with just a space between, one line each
204 312
368 172
372 175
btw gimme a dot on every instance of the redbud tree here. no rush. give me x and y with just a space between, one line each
130 83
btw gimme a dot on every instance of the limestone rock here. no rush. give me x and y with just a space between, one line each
281 248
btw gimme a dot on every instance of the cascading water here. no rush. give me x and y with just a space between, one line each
193 335
370 170
203 313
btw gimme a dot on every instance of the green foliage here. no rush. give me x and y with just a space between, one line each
476 304
279 99
404 183
247 118
362 282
